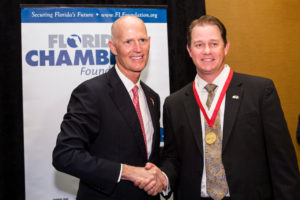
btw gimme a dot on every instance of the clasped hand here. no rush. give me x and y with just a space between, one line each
149 178
154 183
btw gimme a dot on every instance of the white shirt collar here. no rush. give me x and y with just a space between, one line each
126 81
202 92
219 80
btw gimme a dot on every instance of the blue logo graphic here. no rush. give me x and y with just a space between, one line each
87 51
74 41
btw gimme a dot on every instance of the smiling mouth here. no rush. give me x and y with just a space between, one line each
136 57
208 59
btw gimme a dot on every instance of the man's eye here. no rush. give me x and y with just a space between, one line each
143 40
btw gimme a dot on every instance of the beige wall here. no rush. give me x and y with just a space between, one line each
265 41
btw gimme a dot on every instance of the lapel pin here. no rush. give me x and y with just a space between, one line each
152 101
235 97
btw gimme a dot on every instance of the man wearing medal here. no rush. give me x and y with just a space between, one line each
225 133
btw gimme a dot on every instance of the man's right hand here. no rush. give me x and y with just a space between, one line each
149 178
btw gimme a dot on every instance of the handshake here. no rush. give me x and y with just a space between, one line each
149 178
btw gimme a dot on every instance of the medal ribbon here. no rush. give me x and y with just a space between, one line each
211 120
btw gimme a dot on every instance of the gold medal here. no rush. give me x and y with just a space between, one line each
210 137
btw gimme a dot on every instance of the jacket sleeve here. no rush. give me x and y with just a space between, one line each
281 154
79 128
170 164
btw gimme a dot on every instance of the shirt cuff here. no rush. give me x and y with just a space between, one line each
168 189
120 175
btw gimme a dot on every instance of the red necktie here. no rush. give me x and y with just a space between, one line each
138 111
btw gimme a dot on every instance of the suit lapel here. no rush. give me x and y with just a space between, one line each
123 102
193 114
155 119
234 96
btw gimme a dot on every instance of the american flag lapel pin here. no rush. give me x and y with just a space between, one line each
152 101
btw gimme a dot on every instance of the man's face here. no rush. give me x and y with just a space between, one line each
207 50
131 46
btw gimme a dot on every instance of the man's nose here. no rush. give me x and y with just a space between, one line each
207 49
137 46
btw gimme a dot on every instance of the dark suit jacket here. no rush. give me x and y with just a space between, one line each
100 131
257 152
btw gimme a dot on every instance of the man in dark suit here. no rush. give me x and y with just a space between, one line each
111 129
235 129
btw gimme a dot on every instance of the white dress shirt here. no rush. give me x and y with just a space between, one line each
203 95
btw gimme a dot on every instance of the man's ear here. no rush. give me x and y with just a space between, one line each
227 48
112 47
188 49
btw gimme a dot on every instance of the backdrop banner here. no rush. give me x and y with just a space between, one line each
62 47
